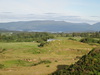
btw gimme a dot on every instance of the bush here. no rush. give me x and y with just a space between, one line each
56 61
99 41
72 39
1 66
48 66
2 50
87 65
42 44
88 40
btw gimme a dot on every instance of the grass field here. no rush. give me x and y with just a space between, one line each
26 58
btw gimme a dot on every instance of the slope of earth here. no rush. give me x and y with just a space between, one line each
88 65
26 58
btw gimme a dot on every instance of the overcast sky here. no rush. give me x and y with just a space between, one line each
61 10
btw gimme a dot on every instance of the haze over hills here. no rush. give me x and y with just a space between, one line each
49 26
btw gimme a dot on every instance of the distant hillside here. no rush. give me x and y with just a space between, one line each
96 27
3 29
88 65
50 26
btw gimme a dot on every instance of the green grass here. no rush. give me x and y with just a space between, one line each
67 47
18 57
21 47
66 38
16 63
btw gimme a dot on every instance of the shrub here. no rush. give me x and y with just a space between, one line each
99 41
2 50
42 44
48 66
1 66
56 61
72 39
88 40
87 65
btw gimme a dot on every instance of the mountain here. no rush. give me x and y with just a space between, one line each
3 29
88 65
96 27
49 26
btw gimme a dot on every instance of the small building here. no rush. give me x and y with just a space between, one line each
48 40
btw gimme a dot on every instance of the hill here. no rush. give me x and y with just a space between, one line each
88 65
49 26
96 27
26 58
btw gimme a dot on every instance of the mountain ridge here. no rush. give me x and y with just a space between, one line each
50 26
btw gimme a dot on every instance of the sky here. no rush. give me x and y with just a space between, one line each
77 11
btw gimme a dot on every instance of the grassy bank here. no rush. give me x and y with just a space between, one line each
26 58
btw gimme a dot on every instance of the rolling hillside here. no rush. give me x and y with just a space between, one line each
26 58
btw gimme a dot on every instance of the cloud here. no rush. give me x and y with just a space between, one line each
95 16
6 12
10 17
50 13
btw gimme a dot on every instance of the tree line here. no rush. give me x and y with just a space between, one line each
81 34
25 36
43 36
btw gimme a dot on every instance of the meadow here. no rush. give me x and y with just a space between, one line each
27 58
